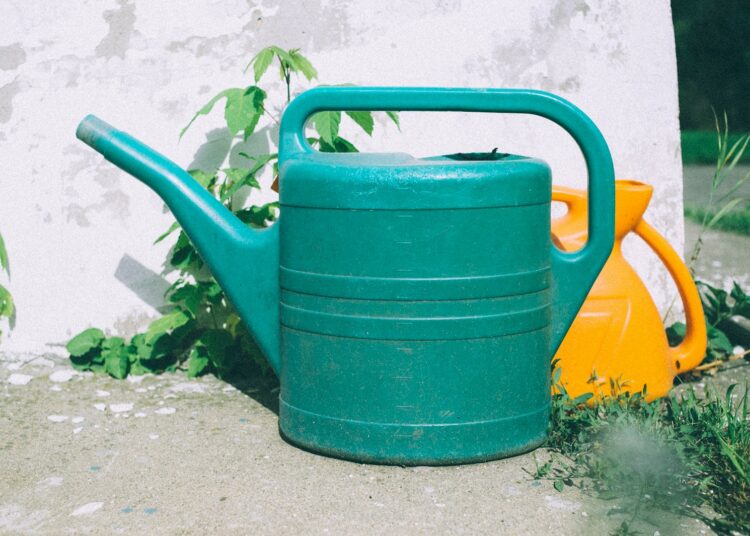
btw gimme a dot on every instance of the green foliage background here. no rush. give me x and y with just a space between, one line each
713 61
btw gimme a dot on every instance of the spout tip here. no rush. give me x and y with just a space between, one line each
92 130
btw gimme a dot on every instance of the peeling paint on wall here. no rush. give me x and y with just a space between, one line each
11 57
121 26
7 94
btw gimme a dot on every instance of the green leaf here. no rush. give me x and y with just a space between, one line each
559 485
138 348
581 399
344 146
184 256
724 210
261 62
718 341
283 55
394 117
190 296
204 178
137 369
198 363
363 119
209 106
327 125
7 308
301 64
737 151
243 110
237 178
676 333
85 341
4 256
116 357
258 216
217 343
741 301
260 160
81 362
165 234
165 325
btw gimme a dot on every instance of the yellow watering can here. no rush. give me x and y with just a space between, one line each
618 334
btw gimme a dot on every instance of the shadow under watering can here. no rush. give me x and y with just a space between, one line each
618 334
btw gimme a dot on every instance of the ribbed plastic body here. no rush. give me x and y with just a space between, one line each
409 306
415 307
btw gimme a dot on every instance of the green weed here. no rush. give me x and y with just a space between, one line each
7 307
679 454
202 332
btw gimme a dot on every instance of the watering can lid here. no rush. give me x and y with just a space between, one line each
401 181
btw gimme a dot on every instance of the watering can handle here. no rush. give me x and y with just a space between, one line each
690 352
573 273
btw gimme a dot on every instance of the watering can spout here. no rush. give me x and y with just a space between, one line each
244 261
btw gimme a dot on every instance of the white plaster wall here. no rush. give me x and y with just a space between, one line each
80 232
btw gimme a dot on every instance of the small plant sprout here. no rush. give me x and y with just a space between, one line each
7 307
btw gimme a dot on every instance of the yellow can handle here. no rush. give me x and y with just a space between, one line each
567 228
690 352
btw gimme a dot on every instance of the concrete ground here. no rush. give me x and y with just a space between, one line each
87 454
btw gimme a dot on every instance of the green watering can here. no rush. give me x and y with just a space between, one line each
410 307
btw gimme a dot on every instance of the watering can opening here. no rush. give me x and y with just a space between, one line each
478 157
631 201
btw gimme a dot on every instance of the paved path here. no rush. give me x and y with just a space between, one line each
697 183
725 257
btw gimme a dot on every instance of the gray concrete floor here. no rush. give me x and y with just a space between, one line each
84 454
725 257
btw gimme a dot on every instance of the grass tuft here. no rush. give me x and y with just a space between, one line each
680 454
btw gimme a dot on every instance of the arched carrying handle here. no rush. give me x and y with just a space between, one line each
573 273
690 352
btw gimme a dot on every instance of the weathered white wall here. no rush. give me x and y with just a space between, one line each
80 232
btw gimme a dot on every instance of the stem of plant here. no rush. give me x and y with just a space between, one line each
287 79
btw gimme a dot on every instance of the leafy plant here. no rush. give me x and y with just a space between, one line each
719 207
7 307
677 454
719 306
202 332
